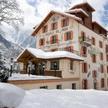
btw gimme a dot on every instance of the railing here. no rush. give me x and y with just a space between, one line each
86 41
56 73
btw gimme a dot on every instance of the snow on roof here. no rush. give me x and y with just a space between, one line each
18 76
77 10
72 16
38 53
65 99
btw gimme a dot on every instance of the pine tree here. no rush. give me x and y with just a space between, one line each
4 73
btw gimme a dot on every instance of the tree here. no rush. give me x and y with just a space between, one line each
4 72
10 12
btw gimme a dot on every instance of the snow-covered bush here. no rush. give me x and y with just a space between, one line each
10 95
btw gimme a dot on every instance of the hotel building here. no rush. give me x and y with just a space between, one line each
76 44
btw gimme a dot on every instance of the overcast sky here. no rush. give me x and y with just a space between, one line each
36 10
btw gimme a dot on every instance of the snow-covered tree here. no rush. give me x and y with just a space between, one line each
10 12
4 72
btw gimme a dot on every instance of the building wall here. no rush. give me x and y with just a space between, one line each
73 25
77 28
50 85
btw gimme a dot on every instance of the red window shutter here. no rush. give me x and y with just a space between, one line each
61 23
51 40
43 41
71 35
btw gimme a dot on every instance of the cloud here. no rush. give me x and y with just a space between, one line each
36 10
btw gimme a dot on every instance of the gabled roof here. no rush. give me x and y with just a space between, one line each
49 15
40 54
85 4
79 10
96 23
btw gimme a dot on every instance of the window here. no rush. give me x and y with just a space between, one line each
44 87
85 84
53 66
107 69
100 44
70 49
84 51
102 83
68 36
54 39
102 68
83 36
45 29
93 40
65 22
59 87
54 26
71 64
107 57
106 48
73 85
94 74
101 56
94 58
84 67
41 42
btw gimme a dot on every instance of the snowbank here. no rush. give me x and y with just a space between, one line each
65 99
19 76
10 95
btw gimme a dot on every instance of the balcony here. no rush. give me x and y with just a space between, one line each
56 73
86 41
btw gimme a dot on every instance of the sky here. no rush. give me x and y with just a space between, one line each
35 10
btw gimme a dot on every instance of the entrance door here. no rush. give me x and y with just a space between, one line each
85 84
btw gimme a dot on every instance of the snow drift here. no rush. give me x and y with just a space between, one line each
10 95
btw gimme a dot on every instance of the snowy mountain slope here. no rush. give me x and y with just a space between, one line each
9 49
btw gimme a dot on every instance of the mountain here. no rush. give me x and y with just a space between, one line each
9 49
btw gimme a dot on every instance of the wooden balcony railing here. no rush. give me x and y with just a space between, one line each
56 73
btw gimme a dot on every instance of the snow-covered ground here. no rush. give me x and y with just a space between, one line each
11 96
18 76
65 99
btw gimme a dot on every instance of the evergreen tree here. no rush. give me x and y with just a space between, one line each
4 72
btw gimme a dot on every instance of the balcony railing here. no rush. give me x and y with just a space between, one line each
56 73
85 41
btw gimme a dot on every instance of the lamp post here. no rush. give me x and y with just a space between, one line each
11 66
55 67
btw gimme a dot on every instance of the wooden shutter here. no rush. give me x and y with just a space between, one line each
71 35
51 40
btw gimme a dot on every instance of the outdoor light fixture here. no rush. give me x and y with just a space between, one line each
55 67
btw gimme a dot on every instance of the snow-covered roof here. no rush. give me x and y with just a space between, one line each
19 76
38 53
77 10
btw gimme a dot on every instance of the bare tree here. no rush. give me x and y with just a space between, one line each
10 12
